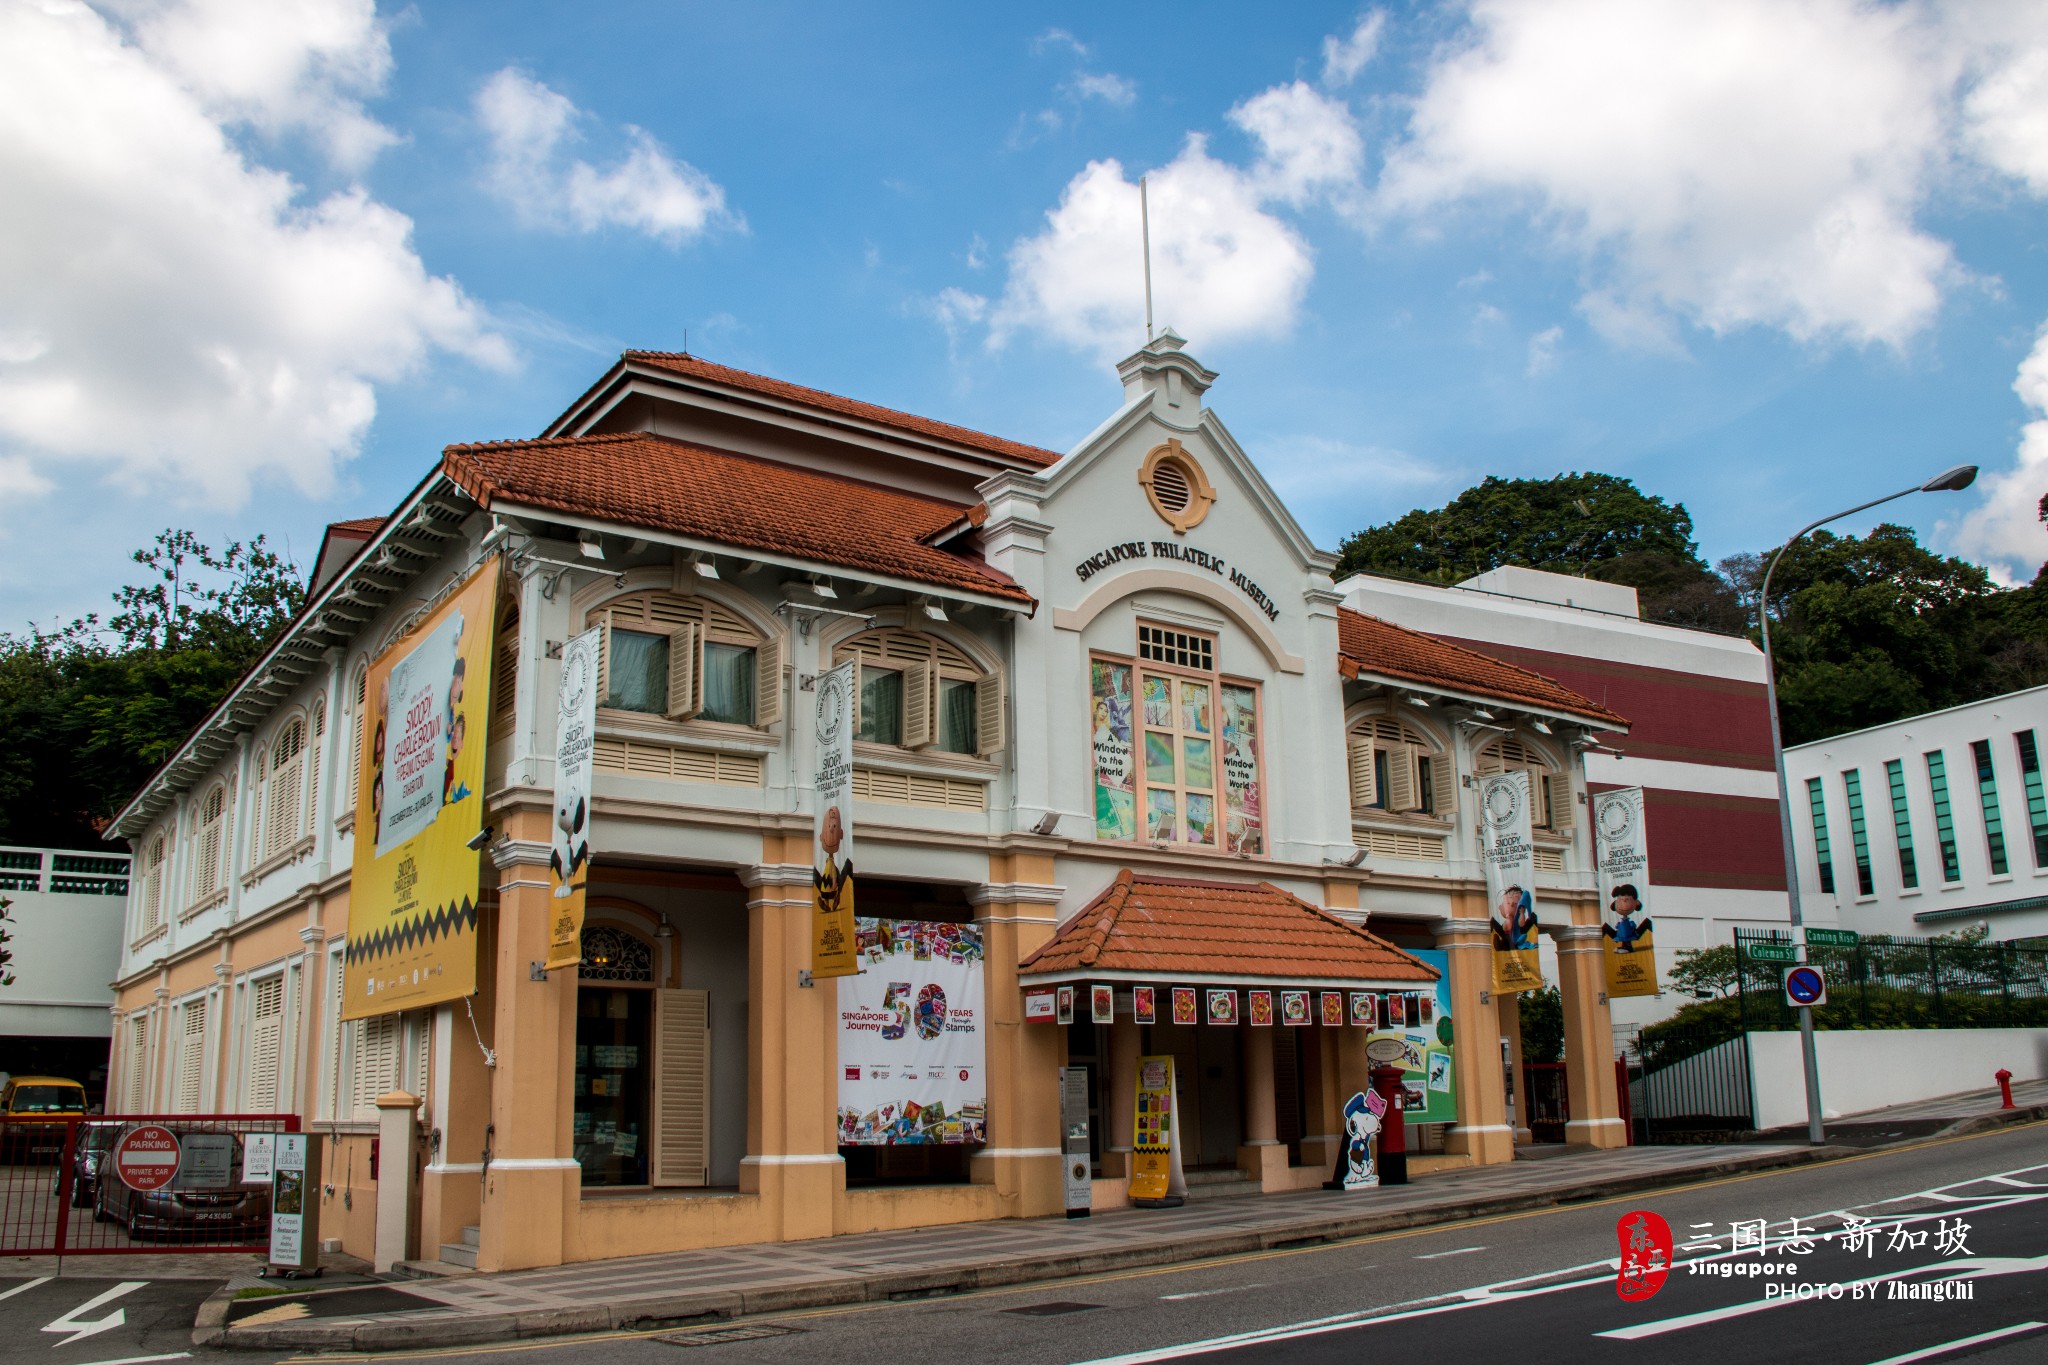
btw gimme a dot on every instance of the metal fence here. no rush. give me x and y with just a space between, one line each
1897 981
1546 1100
61 1194
1687 1085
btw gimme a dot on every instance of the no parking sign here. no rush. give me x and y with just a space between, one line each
1805 986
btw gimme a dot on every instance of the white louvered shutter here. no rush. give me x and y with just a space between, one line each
376 1064
337 1038
313 768
1560 802
266 1044
1403 794
1443 789
604 661
768 680
1539 796
138 1062
685 671
920 702
990 715
191 1057
682 1089
1364 781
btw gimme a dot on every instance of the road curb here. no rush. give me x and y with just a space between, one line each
708 1306
1998 1118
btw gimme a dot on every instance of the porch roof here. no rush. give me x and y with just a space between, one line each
1380 651
1154 928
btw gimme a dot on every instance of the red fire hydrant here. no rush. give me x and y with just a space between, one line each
2004 1079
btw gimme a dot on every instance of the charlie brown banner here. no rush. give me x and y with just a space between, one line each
412 898
1621 854
1507 853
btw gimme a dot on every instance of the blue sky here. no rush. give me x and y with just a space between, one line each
1765 257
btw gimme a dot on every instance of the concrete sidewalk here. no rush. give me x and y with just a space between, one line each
735 1281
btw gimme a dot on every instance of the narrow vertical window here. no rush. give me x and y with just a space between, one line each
1987 794
1820 833
1944 822
1859 834
2037 802
1902 824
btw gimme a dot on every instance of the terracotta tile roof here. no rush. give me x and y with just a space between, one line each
640 479
1382 649
847 407
1160 928
361 526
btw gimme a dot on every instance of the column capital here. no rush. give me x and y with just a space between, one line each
776 874
1456 928
1015 893
519 853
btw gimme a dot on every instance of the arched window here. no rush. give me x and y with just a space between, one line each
614 955
1550 791
918 691
283 787
505 668
687 658
151 892
361 716
1398 770
208 843
314 746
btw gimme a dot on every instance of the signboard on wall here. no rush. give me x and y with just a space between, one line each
1416 1035
912 1055
1507 853
575 742
1621 852
412 899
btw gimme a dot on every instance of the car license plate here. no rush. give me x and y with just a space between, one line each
220 1217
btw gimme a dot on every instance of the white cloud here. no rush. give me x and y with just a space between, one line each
1344 58
1059 38
1108 87
2005 529
648 190
1736 164
174 309
1543 349
1222 264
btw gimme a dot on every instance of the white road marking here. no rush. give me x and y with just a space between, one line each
1439 1255
1932 1351
80 1327
20 1287
140 1360
1205 1293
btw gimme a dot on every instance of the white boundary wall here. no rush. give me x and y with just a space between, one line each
1871 1068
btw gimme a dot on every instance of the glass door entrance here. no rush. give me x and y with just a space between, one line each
613 1070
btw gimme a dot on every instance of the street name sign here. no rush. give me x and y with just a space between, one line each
1771 952
1832 938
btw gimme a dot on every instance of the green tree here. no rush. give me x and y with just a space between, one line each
1568 524
1705 972
90 711
1542 1014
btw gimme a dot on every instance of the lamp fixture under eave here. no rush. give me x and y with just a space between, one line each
934 610
824 589
704 567
1417 701
1539 725
591 546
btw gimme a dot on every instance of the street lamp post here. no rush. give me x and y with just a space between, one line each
1948 482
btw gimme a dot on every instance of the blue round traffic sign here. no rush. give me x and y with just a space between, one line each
1805 986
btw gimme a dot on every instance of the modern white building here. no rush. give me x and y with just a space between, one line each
64 913
1699 741
1928 825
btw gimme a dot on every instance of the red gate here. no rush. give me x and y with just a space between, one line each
1547 1102
62 1194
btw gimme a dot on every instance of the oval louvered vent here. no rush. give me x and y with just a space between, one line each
1170 486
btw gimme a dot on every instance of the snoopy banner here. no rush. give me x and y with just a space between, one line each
412 899
911 1051
1622 853
832 951
1508 855
569 858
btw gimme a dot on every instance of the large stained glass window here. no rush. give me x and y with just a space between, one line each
1116 788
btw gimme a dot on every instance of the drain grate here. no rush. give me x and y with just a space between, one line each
1053 1309
718 1336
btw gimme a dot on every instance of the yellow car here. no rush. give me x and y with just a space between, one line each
34 1112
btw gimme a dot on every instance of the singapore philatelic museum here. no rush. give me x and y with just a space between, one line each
1130 778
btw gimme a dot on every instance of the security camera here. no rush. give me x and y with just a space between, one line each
480 840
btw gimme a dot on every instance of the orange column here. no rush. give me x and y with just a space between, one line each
532 1187
1263 1156
1482 1130
1018 911
1121 1102
1588 1034
1510 1010
792 1159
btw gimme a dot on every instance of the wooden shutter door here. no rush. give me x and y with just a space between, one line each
1402 795
685 671
1443 788
1560 787
989 715
768 681
682 1088
920 702
1364 782
266 1044
191 1057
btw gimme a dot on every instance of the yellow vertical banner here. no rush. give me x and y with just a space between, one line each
1507 854
412 896
1152 1129
569 854
1621 858
833 950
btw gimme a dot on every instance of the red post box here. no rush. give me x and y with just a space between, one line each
1393 1156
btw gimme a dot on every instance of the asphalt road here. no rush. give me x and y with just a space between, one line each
1535 1287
